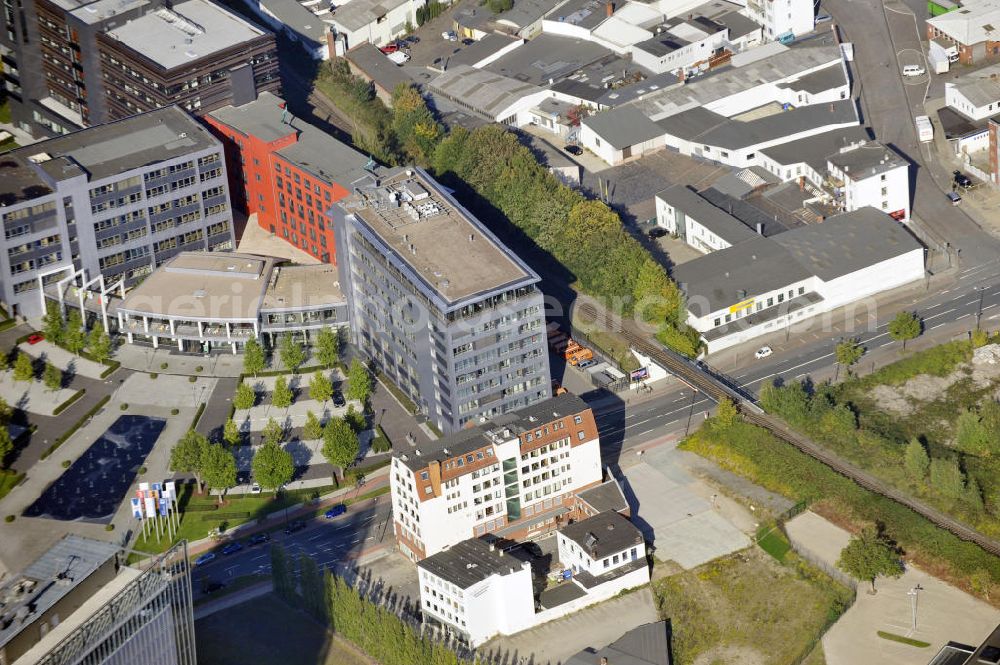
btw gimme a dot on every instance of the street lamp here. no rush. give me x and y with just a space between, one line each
694 395
912 593
979 308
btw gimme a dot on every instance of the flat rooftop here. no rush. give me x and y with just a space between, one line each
210 286
48 580
486 92
814 150
95 12
448 249
719 222
314 150
101 151
356 14
866 160
295 287
190 31
549 57
469 562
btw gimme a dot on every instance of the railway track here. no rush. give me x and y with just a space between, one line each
715 385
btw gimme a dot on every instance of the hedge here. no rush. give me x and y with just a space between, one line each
69 402
755 453
112 367
225 516
197 415
7 325
77 425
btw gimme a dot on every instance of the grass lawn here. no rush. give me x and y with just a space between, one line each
771 539
199 513
8 481
817 657
748 608
266 631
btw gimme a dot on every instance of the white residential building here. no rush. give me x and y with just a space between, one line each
513 478
871 175
763 284
683 213
679 44
476 591
975 95
375 21
782 19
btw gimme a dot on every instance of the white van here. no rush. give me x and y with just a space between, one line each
913 70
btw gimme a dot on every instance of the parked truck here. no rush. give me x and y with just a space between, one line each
925 130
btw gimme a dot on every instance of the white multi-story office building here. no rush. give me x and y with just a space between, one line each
512 478
782 19
438 303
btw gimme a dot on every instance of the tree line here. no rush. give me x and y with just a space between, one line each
489 163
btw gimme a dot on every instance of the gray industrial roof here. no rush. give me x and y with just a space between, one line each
662 44
356 14
587 14
470 561
604 497
623 127
869 159
847 242
818 81
484 91
294 15
745 211
956 125
187 32
574 88
703 126
738 24
603 534
50 578
526 12
813 150
315 150
377 67
733 274
724 225
476 437
101 151
548 57
648 86
560 595
732 80
479 50
648 644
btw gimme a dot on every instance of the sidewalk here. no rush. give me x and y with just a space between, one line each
147 359
377 480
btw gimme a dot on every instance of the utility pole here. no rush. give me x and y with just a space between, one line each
912 593
694 395
979 309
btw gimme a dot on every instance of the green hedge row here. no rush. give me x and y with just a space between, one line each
77 425
197 415
754 452
69 402
225 516
7 325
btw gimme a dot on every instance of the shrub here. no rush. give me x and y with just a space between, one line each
153 375
66 463
164 365
192 379
109 527
174 412
124 406
9 519
199 369
142 470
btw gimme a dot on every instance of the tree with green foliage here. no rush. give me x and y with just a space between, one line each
359 382
188 454
24 367
4 363
99 344
849 352
417 132
6 445
971 435
272 466
355 419
979 338
5 412
291 352
281 396
916 460
75 335
340 444
726 415
947 478
320 387
281 573
790 401
870 555
273 432
973 495
311 583
218 467
905 326
327 347
52 377
313 428
245 397
231 433
52 322
253 357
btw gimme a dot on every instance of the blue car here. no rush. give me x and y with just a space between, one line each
232 548
204 558
339 509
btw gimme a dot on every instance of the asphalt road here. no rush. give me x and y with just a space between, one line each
945 314
364 526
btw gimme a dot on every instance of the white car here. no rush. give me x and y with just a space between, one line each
255 489
449 36
763 352
399 57
913 70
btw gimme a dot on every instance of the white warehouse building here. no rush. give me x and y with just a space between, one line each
762 285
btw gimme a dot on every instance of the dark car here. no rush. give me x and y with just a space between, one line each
657 232
468 41
232 548
413 39
962 180
296 525
258 538
574 150
338 399
212 587
339 509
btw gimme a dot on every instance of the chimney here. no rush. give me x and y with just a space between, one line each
760 229
609 7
